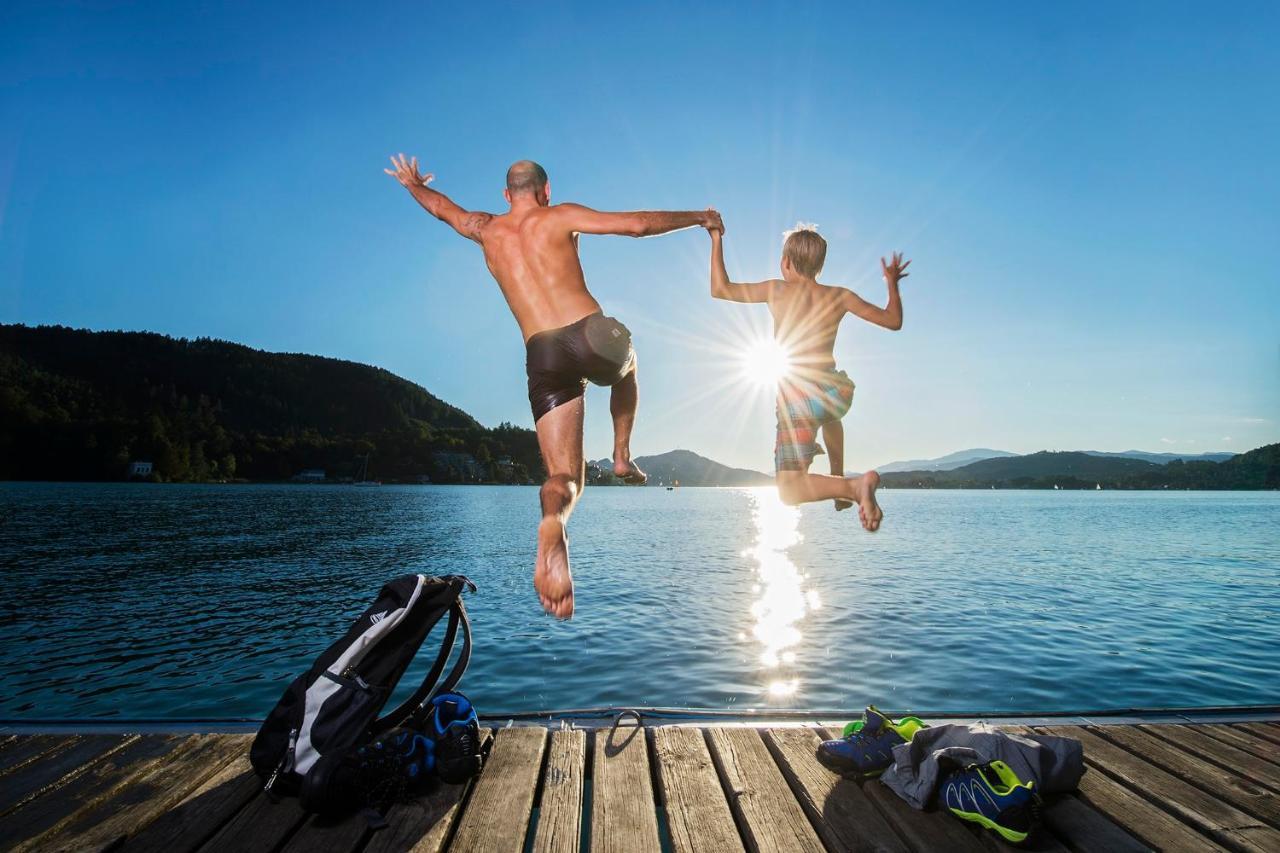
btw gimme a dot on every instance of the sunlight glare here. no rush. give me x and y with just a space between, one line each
778 613
764 362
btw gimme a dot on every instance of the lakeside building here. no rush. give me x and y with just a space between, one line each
139 469
461 466
309 475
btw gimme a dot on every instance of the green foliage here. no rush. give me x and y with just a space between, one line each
80 405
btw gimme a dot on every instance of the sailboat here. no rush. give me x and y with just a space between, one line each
364 474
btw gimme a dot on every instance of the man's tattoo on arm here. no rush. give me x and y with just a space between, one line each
474 224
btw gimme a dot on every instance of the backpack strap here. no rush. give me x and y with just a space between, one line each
464 657
431 684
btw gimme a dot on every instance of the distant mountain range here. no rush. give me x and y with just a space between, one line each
1080 469
963 457
1257 469
689 469
945 463
1166 458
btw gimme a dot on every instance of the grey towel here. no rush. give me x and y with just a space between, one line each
1054 763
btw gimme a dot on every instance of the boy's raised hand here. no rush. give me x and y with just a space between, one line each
714 223
896 269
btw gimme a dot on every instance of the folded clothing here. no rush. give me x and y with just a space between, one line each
1055 764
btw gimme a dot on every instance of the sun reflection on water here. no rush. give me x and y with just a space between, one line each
782 601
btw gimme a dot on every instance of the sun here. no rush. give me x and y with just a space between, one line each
765 362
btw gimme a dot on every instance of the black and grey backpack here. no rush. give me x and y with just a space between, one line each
335 704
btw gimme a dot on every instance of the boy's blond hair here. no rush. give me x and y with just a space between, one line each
806 249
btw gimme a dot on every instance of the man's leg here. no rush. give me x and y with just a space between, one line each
797 487
560 440
833 438
624 397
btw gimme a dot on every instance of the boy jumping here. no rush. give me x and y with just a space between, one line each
813 395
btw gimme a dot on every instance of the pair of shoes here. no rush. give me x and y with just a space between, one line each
992 795
444 744
866 749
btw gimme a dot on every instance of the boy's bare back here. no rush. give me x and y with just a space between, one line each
806 318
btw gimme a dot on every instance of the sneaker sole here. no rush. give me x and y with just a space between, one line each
1010 835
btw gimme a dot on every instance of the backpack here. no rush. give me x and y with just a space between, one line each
335 704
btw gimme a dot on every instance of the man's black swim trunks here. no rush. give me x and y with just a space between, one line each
560 361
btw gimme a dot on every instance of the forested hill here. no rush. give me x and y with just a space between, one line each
81 405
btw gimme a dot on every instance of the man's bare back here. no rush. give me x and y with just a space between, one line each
532 252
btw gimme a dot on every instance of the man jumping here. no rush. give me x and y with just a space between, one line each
532 251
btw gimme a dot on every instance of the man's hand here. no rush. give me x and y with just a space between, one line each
712 222
406 172
895 270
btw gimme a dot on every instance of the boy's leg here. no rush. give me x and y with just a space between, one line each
797 487
560 440
624 398
833 438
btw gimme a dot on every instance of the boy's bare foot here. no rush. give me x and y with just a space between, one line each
868 510
842 504
551 577
629 472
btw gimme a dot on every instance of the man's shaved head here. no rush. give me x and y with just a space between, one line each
526 176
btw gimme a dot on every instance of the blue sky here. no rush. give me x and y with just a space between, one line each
1090 194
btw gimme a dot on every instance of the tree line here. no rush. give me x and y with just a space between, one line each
81 405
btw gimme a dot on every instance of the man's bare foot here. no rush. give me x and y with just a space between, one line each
551 577
629 472
868 510
842 504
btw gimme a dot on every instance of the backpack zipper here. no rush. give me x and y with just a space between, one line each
286 761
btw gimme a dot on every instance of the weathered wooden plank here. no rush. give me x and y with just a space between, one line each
1223 785
189 824
319 834
1084 828
30 747
623 816
838 808
1263 749
560 813
420 825
38 816
497 814
1225 755
262 825
146 795
28 781
767 813
1260 730
1145 821
1219 820
698 815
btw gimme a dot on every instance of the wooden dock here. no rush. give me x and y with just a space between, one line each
679 788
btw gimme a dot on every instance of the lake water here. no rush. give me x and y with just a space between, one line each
145 601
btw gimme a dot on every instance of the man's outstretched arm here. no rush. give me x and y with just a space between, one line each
467 223
889 316
636 223
722 288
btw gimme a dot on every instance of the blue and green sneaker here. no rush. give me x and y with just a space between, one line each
866 750
993 796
